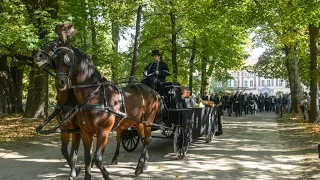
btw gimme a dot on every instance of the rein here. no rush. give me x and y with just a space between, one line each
82 106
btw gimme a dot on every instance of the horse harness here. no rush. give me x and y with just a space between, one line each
87 107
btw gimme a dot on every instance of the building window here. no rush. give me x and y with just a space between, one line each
251 83
280 83
219 84
245 74
235 83
229 83
234 74
269 82
262 82
245 84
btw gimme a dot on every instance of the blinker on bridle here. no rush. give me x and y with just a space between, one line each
69 61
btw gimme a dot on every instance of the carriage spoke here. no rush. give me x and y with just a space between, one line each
130 140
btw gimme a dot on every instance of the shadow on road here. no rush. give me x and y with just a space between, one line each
252 147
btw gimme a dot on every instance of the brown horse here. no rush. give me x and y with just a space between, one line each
100 102
66 100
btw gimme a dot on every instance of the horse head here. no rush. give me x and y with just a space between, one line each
43 58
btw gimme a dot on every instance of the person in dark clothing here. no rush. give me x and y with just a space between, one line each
237 98
261 102
156 72
228 103
252 101
267 103
205 97
246 104
219 102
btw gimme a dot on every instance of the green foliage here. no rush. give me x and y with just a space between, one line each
218 30
17 36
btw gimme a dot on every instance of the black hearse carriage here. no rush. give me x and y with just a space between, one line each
184 122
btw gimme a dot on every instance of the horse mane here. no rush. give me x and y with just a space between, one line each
86 65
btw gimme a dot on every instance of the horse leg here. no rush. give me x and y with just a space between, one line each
116 154
65 138
145 132
87 144
148 139
74 155
102 139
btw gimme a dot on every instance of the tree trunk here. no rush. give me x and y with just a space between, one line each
191 65
17 76
294 77
313 34
10 87
204 78
5 86
84 36
134 62
37 100
93 34
174 50
115 39
173 44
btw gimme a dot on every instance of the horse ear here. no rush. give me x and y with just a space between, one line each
65 31
71 31
58 29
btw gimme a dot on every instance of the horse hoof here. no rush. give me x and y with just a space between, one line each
114 162
78 169
138 171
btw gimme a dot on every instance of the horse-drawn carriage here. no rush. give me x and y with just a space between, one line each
183 121
101 107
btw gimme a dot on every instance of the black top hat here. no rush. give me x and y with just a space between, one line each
156 52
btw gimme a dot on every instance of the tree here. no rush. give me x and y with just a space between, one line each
37 100
136 46
280 30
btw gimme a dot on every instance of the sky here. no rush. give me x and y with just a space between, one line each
255 53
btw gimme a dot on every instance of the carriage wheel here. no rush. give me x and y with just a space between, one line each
130 140
209 137
178 143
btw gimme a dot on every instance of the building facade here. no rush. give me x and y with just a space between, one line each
251 83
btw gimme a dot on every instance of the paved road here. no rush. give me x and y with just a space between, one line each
252 147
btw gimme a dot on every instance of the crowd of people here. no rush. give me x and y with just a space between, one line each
240 103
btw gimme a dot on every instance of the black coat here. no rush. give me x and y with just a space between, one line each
161 66
152 79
